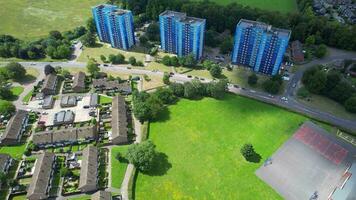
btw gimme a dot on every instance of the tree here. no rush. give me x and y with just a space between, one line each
166 60
63 51
93 68
13 183
49 70
217 89
88 39
190 91
153 32
3 178
117 59
252 79
207 64
211 38
320 51
226 46
165 95
303 92
166 79
6 107
188 61
132 61
174 61
141 111
91 25
350 104
310 41
103 58
215 71
55 35
15 70
177 89
317 82
247 151
66 172
155 106
271 86
341 92
143 40
142 155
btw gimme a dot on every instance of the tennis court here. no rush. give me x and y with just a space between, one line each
311 162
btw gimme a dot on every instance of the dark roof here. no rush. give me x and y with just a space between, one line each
105 83
64 135
4 158
79 80
68 101
14 126
50 82
119 119
182 17
101 195
94 99
48 101
297 50
266 28
89 167
64 117
41 177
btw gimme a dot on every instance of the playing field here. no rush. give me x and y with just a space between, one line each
284 6
201 141
35 18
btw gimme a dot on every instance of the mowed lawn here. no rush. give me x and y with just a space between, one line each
35 18
202 141
118 168
284 6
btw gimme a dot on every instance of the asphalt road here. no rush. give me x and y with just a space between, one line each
291 103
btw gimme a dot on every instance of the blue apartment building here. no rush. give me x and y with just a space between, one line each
259 46
181 35
114 26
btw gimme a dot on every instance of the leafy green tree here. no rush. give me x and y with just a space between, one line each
271 86
15 70
174 61
6 107
55 35
247 151
142 155
303 92
211 38
132 61
166 79
152 32
103 58
156 105
215 71
350 104
141 111
207 64
166 60
90 25
165 95
177 88
310 41
317 82
252 79
217 89
89 39
143 40
190 91
3 178
320 51
341 92
92 67
226 46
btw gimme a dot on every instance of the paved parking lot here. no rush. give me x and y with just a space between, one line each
81 114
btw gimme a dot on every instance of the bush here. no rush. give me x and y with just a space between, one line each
252 79
6 107
303 92
215 71
166 79
166 60
247 151
132 61
350 104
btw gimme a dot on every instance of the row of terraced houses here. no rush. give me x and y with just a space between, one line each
257 45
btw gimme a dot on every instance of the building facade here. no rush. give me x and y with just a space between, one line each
259 46
114 26
181 35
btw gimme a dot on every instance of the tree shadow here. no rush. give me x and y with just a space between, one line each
255 158
163 116
161 165
27 79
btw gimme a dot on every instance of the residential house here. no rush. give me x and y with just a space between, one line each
297 51
101 195
50 84
48 102
118 121
79 82
64 117
15 128
5 162
94 100
88 181
42 177
68 101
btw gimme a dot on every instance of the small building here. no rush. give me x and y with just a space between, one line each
68 101
5 162
48 102
15 128
88 181
119 121
101 195
79 82
42 177
297 51
105 84
64 117
50 84
94 100
65 136
125 88
39 96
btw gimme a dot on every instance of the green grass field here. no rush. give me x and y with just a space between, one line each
284 6
118 169
14 151
202 141
35 18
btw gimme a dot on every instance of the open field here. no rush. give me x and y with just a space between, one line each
35 18
118 168
284 6
199 144
16 91
14 151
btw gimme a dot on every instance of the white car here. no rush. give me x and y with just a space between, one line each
284 99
